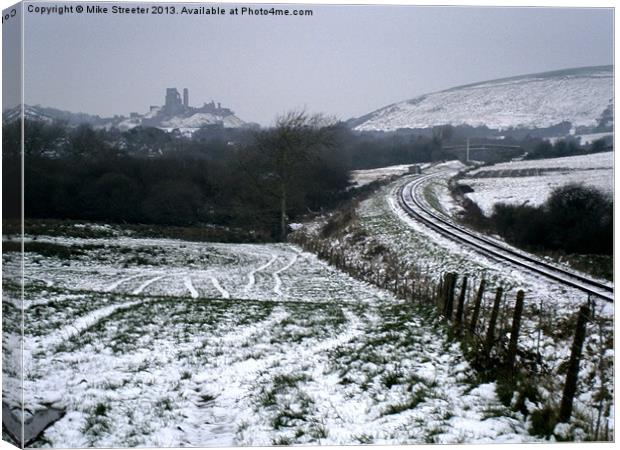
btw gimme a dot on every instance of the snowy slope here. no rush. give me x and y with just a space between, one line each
30 113
579 96
201 119
187 122
49 115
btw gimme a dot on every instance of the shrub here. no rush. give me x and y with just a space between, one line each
173 203
575 219
581 219
543 421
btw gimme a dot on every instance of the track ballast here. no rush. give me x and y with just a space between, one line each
411 200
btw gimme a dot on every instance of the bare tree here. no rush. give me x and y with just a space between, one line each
292 144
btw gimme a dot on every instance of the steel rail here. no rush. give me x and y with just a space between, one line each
409 199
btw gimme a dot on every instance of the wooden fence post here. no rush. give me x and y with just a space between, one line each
474 318
491 330
449 293
570 386
514 332
461 307
439 292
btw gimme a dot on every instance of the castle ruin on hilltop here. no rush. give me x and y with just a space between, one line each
174 105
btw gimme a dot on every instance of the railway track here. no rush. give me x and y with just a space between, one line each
411 199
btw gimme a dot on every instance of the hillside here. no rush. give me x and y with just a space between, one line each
44 114
172 115
583 97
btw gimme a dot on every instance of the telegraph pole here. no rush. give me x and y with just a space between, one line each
467 157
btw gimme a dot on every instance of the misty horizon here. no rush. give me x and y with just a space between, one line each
344 61
200 102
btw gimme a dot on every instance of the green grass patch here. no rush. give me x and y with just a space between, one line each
413 401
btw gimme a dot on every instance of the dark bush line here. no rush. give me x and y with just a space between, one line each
147 176
221 177
179 192
49 249
562 148
231 178
575 219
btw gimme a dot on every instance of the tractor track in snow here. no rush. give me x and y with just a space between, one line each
276 275
216 284
252 274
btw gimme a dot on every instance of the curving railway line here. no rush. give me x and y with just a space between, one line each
411 199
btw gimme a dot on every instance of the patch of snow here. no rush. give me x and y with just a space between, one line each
146 284
604 160
252 274
199 120
216 284
533 101
367 176
276 275
499 185
190 287
587 139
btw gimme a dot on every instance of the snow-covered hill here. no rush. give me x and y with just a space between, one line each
201 119
583 97
46 114
186 120
30 112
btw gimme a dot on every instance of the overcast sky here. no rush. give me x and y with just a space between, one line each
344 60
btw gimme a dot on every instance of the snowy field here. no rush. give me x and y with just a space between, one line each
531 181
549 307
584 139
587 139
367 176
170 343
